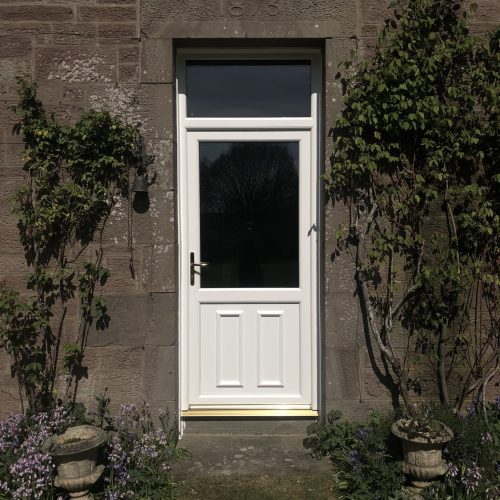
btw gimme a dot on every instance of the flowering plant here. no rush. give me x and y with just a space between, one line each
365 460
473 457
26 471
140 455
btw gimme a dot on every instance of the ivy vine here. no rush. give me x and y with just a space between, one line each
416 161
75 176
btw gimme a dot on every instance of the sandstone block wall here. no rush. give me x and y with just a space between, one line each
120 54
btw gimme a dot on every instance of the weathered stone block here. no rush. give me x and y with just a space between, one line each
340 274
106 13
10 69
343 321
119 369
126 269
128 54
128 73
36 13
125 31
358 410
76 64
115 2
162 319
66 101
337 50
74 33
122 221
119 99
8 189
162 407
488 11
156 61
11 155
163 216
160 376
15 46
156 110
11 402
377 381
160 268
374 12
342 380
162 163
367 46
222 19
23 28
127 325
13 173
7 115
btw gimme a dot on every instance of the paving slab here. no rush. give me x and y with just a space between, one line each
236 455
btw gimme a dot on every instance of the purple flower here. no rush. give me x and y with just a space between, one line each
471 410
127 418
471 478
452 471
31 475
361 433
10 433
486 438
118 462
354 459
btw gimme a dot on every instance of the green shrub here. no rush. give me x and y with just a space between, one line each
473 456
365 458
138 454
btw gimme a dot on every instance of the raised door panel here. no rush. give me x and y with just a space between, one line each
250 353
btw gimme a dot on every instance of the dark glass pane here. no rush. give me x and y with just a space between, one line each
249 204
274 88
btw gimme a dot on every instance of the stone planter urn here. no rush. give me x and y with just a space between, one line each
422 452
75 453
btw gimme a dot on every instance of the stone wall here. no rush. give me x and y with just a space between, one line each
119 54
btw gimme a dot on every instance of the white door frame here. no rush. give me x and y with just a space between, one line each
303 124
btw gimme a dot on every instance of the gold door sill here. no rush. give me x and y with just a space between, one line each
248 413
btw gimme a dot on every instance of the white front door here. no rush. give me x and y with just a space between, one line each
248 264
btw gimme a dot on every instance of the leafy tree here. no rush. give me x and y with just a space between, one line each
75 175
416 161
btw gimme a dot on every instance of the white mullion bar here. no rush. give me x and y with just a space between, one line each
193 124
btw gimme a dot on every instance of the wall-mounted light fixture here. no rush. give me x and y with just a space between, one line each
140 184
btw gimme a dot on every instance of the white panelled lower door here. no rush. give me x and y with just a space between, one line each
250 237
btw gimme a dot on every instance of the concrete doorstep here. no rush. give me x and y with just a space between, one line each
236 455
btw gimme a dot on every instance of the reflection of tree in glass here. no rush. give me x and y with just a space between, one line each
249 205
250 179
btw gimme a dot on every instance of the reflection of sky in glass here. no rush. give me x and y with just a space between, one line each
274 88
211 151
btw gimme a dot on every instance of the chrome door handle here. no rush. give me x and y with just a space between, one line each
193 265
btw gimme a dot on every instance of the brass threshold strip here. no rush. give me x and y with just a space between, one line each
199 413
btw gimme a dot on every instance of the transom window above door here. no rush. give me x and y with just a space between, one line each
248 88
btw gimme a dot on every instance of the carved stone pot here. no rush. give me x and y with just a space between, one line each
423 460
75 454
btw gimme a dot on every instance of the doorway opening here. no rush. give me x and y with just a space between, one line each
247 124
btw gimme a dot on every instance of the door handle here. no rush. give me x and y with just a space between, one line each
193 265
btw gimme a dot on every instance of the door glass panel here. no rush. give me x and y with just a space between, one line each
248 89
249 204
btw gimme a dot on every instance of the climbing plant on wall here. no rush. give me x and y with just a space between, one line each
75 174
416 161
